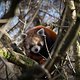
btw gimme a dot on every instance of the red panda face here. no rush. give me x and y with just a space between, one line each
35 42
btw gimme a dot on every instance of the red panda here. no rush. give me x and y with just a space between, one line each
38 42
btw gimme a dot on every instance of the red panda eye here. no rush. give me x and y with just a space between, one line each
41 32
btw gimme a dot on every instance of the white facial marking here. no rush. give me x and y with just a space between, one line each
42 43
41 32
35 49
35 40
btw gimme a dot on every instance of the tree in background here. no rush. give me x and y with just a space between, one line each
17 17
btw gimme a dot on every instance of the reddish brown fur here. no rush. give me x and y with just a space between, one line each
33 38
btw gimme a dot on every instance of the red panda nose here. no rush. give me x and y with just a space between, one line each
36 49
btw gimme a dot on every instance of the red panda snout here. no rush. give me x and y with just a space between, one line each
36 49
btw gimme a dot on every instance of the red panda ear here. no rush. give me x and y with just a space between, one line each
23 35
41 32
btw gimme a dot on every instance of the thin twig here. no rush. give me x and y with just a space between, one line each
39 6
70 63
47 47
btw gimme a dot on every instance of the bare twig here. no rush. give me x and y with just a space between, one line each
3 20
39 6
70 63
